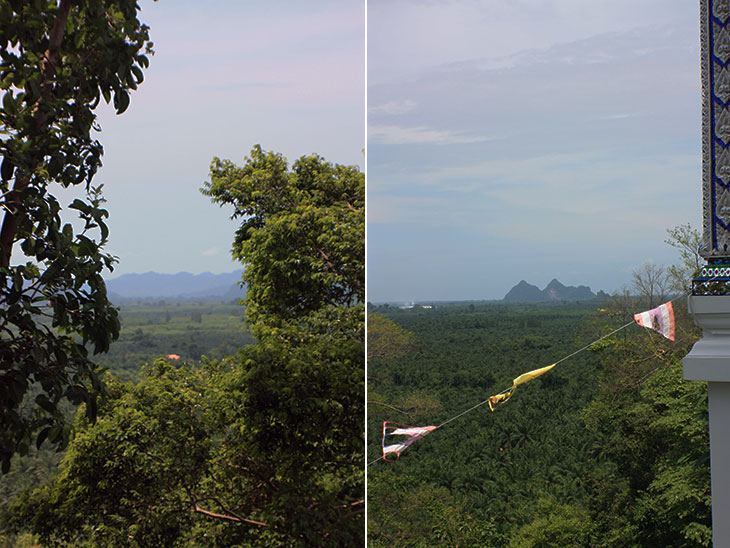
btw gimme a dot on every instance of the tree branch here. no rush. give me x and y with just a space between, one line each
388 406
50 61
234 518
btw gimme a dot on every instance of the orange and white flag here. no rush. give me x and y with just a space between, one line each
414 433
659 319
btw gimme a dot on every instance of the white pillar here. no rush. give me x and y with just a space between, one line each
709 360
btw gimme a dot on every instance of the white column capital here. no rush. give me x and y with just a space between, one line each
709 359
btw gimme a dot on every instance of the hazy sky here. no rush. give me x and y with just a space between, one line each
226 75
527 139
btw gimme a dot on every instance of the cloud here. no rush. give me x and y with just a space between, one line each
393 107
404 35
582 201
211 252
396 135
618 116
592 113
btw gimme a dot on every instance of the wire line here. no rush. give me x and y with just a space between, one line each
473 407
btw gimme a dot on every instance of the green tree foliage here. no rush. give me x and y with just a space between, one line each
655 448
422 516
264 448
58 59
488 468
688 241
149 445
301 234
608 449
302 386
650 481
561 525
386 339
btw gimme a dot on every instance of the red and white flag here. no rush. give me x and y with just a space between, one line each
414 433
659 319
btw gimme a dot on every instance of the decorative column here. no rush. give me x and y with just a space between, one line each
709 304
715 41
709 360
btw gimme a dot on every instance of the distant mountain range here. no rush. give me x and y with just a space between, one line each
554 291
182 285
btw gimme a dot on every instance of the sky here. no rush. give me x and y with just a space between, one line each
527 139
226 75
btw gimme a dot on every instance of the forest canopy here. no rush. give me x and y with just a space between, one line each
609 448
262 448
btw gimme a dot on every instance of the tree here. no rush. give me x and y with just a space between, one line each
148 448
301 389
264 448
301 236
386 339
687 240
418 515
558 525
58 59
650 485
651 283
655 457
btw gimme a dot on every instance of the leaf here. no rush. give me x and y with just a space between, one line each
80 205
7 169
92 408
137 74
43 401
104 231
17 388
121 100
8 102
55 433
42 435
76 394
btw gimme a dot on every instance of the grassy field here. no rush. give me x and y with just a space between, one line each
151 329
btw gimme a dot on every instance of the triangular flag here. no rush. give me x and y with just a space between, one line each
532 374
502 397
659 319
414 433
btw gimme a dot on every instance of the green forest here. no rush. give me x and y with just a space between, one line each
610 448
167 424
150 330
251 433
178 424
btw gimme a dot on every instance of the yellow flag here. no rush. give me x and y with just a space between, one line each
503 397
531 375
499 399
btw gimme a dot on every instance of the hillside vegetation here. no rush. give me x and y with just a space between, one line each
150 330
610 448
259 446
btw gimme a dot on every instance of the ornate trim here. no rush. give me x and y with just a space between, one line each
715 45
707 239
713 279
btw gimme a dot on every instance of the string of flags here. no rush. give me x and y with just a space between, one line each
660 319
